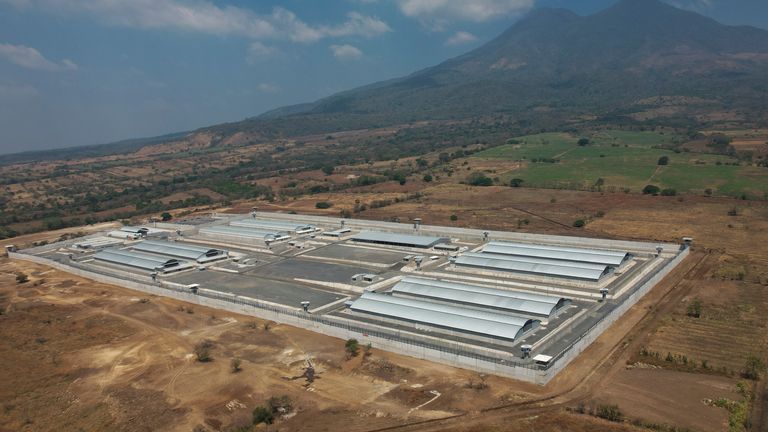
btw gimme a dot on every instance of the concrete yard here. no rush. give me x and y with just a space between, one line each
284 293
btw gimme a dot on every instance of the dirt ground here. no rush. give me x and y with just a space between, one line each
77 355
80 355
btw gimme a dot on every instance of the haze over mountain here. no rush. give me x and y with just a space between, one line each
557 62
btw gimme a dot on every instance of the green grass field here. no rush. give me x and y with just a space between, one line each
625 160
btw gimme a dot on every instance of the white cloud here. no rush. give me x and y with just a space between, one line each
268 88
257 51
437 13
460 38
31 58
345 51
203 16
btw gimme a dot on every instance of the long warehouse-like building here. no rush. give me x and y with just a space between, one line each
475 296
405 240
241 235
274 225
181 250
151 263
484 326
593 256
500 263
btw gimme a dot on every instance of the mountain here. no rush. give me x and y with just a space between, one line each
555 61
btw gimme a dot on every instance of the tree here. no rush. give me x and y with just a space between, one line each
516 182
235 365
166 216
694 309
263 415
454 218
753 367
664 160
668 192
323 205
203 351
427 178
21 278
579 223
651 190
328 169
583 142
352 346
477 178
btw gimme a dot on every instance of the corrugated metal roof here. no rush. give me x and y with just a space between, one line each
272 225
487 261
338 233
612 258
399 239
135 259
546 261
178 250
461 319
522 302
248 233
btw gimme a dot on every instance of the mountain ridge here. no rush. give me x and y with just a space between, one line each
554 58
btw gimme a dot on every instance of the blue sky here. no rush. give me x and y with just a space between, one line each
76 72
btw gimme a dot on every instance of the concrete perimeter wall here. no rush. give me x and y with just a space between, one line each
419 346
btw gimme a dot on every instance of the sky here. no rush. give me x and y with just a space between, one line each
80 72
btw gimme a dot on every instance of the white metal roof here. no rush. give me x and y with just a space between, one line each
269 225
521 302
462 319
98 242
398 239
135 259
178 250
555 252
247 233
534 260
490 262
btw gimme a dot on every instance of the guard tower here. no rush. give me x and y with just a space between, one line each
305 306
603 294
526 350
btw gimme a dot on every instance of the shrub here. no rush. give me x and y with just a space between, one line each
454 218
282 404
516 182
352 346
753 367
479 179
609 412
263 415
427 178
323 205
166 216
583 142
668 192
664 160
328 169
203 351
235 365
21 278
651 190
694 309
579 223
